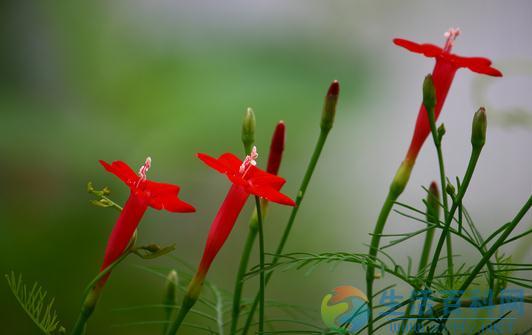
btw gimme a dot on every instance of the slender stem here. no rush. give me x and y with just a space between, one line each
244 260
475 154
423 261
299 199
450 265
261 262
485 258
437 143
374 248
186 306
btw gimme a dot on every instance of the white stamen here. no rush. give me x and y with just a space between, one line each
249 161
144 169
451 36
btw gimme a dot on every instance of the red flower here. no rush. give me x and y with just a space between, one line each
446 66
144 194
247 179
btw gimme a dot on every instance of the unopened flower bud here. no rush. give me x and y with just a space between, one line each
276 148
329 108
429 93
170 293
171 288
478 132
450 189
441 131
248 130
433 205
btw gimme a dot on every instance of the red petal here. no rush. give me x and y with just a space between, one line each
164 196
271 194
122 171
260 177
476 64
226 163
429 50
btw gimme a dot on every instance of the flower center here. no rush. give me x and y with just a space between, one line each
144 170
249 161
451 36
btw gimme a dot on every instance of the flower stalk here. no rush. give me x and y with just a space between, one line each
327 119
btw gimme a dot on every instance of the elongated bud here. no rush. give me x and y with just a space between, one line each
433 203
171 288
429 93
170 293
276 148
478 132
248 130
329 108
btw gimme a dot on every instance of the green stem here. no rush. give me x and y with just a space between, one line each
450 265
186 306
374 248
300 195
437 143
423 261
92 295
261 262
486 257
244 260
475 154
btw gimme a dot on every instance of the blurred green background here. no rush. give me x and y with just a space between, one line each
82 81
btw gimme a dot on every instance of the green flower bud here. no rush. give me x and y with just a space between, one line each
450 189
248 130
170 294
171 288
429 93
441 131
329 107
478 131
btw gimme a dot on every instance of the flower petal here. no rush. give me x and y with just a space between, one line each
262 178
429 50
271 194
164 196
122 171
226 163
476 64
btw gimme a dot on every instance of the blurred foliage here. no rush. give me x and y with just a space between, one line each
87 81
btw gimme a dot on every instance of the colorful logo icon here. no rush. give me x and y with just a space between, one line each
345 308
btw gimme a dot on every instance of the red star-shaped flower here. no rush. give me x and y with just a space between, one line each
144 194
446 66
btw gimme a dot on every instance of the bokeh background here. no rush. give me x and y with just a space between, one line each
82 81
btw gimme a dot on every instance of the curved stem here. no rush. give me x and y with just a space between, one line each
374 248
261 262
300 195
